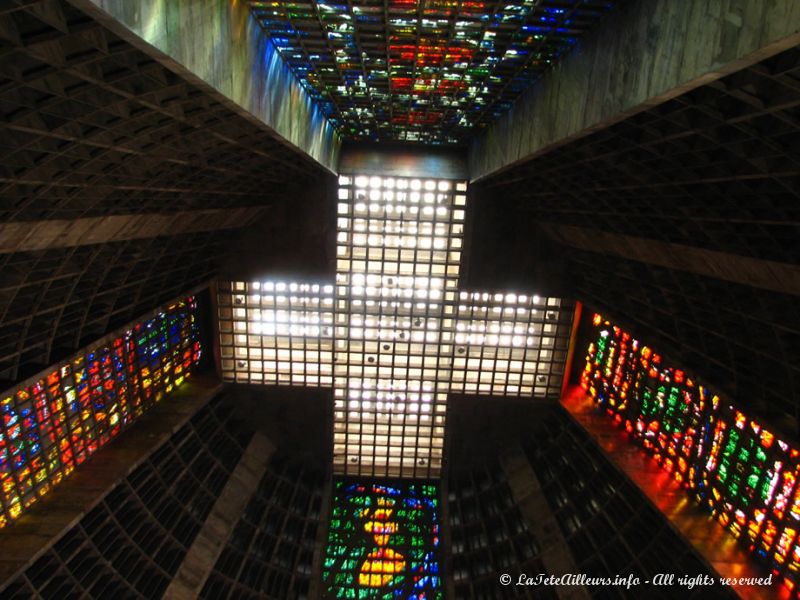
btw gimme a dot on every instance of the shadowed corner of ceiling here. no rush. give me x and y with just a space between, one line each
295 238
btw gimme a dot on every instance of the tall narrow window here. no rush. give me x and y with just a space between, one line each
57 420
383 541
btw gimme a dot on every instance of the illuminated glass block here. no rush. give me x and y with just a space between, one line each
393 335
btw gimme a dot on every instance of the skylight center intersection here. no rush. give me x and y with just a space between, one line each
394 336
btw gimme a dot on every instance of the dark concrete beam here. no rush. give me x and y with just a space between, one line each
528 496
42 525
645 53
316 586
745 270
228 509
377 159
218 46
25 236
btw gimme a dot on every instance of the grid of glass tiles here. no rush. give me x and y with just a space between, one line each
393 336
509 345
398 253
276 333
421 71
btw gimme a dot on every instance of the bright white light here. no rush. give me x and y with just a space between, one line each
390 338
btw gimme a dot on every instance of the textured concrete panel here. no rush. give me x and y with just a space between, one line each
217 44
207 546
745 270
667 48
527 492
25 236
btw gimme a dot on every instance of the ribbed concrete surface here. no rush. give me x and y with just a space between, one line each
640 56
745 270
528 496
23 236
204 552
217 44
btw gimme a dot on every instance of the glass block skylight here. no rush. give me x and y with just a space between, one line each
394 336
416 70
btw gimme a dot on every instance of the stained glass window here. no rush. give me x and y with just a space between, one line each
741 472
421 71
383 541
55 421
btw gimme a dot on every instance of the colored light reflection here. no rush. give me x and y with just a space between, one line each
53 425
383 541
742 473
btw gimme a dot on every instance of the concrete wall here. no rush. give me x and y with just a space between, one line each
217 44
646 52
388 161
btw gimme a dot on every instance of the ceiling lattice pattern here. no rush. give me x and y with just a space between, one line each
395 335
421 70
716 169
93 127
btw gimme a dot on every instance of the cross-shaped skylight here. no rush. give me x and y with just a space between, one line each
394 336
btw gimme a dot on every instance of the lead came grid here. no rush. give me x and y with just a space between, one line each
393 335
430 72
